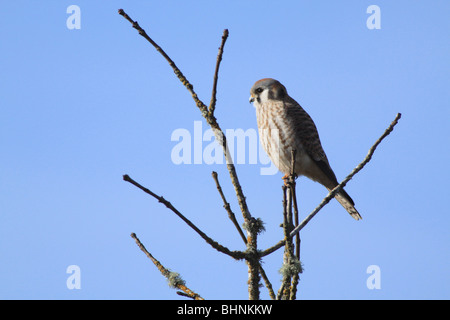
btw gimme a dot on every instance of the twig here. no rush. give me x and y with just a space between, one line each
203 108
292 187
212 104
267 283
333 192
181 293
234 254
227 207
173 278
293 195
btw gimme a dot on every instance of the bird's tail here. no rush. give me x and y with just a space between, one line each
346 201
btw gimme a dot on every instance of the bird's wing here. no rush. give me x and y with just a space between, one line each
307 133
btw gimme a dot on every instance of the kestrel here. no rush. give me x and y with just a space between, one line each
284 126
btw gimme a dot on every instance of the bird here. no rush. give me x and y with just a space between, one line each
284 126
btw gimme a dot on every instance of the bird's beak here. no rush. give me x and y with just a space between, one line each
251 99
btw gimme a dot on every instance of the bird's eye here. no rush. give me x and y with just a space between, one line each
259 90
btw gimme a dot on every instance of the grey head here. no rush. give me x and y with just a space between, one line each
267 89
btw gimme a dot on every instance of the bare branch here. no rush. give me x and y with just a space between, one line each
291 264
287 227
212 104
267 283
177 71
181 293
234 254
173 278
227 207
333 192
293 196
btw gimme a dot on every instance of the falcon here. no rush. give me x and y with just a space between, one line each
283 126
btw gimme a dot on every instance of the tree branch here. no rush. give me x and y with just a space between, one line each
177 71
333 192
227 207
212 104
291 262
292 187
238 255
173 278
283 292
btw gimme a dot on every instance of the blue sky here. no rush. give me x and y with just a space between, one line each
79 108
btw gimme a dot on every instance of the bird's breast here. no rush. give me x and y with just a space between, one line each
278 138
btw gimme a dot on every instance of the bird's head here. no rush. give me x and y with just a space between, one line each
267 89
